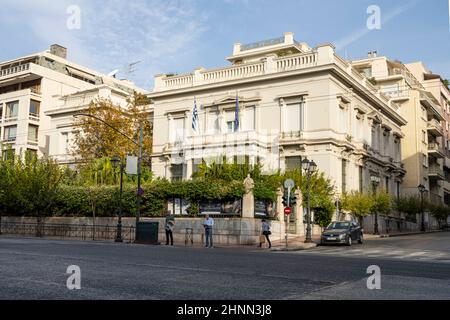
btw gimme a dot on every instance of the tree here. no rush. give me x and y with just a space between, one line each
440 212
359 205
382 203
411 206
38 188
97 140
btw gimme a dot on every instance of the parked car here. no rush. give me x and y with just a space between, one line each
342 232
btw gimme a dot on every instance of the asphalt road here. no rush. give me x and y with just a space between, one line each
36 269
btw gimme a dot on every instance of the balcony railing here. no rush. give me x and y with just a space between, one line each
435 170
33 116
435 127
14 70
434 146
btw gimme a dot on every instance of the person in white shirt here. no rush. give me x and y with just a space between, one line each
208 225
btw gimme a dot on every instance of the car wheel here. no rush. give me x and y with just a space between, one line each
349 241
361 239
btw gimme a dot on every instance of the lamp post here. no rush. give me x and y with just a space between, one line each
422 190
375 182
115 163
139 144
309 167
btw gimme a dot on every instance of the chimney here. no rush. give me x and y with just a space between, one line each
59 51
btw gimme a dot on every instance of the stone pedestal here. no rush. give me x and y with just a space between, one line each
299 210
248 205
248 201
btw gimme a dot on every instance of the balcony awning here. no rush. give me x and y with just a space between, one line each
81 74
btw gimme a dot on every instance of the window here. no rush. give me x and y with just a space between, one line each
176 171
230 126
424 136
293 117
1 111
344 175
249 118
12 109
178 130
8 154
35 107
424 160
10 133
293 163
367 72
65 142
387 184
33 133
361 185
213 122
398 189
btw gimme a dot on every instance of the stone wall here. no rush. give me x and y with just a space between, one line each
227 231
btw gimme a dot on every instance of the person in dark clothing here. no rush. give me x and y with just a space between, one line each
170 224
265 228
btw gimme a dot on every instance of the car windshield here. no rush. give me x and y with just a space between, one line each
339 225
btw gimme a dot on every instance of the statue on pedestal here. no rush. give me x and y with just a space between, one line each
249 184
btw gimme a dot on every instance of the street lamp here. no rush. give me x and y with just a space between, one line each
422 190
139 144
309 167
115 161
375 182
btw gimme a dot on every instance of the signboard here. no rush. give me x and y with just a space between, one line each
287 211
132 165
218 207
264 208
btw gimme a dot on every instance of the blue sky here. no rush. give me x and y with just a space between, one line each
175 36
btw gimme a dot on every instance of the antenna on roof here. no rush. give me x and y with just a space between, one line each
130 68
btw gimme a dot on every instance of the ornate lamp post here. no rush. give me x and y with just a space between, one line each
422 190
375 182
309 167
115 161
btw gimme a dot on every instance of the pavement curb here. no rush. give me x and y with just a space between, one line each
296 248
409 234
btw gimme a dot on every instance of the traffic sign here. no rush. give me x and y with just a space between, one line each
289 184
287 211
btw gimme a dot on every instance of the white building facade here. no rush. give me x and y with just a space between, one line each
292 102
32 87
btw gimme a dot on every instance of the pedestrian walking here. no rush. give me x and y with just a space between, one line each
169 225
265 230
208 224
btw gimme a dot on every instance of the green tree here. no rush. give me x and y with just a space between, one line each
382 203
358 204
96 140
440 212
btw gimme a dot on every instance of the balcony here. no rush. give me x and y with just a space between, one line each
435 172
433 106
397 95
435 198
34 117
434 149
14 70
435 128
9 140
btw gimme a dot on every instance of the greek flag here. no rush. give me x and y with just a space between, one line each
195 117
236 115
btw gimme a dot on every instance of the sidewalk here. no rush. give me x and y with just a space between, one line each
294 244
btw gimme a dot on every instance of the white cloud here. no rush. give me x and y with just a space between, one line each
117 32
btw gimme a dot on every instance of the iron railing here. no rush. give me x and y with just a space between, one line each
67 231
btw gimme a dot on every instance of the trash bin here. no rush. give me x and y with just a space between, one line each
147 232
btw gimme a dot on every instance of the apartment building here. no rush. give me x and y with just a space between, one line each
278 102
436 85
422 149
32 86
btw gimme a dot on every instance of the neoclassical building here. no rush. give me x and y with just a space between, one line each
278 102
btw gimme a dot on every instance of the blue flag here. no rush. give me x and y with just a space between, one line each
195 117
236 115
